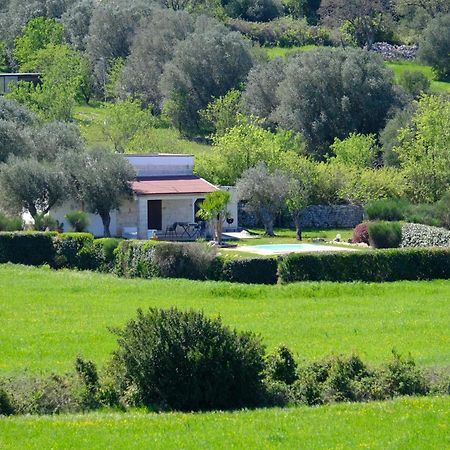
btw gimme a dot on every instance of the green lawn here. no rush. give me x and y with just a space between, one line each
282 52
49 317
161 140
414 423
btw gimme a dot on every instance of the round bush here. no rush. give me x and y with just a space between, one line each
385 234
361 234
186 361
79 220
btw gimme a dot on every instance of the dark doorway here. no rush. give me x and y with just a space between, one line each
154 214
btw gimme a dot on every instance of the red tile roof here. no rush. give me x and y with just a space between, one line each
171 185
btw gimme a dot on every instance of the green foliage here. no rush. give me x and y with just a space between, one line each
241 148
70 250
253 10
214 209
209 366
123 120
386 209
281 365
37 34
357 149
87 373
255 270
3 58
374 266
264 194
414 82
64 79
102 180
8 223
385 234
206 65
31 185
108 247
415 235
162 259
114 75
14 140
45 222
434 45
423 150
221 113
78 220
33 249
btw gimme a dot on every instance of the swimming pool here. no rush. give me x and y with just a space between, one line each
273 249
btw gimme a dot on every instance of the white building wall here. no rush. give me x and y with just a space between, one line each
232 208
95 222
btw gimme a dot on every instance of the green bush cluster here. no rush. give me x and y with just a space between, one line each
387 209
371 266
168 359
149 259
183 360
31 248
79 220
283 32
416 235
75 250
385 234
8 223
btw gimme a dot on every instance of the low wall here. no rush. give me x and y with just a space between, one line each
315 216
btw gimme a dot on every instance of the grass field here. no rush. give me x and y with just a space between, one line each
415 423
47 318
161 140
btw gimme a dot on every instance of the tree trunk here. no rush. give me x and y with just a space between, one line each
298 225
33 211
268 226
106 219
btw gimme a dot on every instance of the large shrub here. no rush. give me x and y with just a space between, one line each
31 248
186 361
385 234
78 220
169 260
386 209
8 223
374 266
415 235
360 234
75 250
107 249
254 270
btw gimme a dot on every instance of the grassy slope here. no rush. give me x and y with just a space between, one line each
398 67
163 140
47 317
401 424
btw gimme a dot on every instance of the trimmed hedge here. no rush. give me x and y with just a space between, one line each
75 250
252 270
373 266
147 259
385 234
30 248
415 235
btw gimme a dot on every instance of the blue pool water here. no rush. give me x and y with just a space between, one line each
286 247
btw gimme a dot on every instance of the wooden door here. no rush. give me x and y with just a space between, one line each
154 214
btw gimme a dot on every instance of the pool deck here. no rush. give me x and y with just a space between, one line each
309 249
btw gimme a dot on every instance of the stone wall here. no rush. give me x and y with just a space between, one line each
316 216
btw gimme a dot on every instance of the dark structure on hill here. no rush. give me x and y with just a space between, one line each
6 79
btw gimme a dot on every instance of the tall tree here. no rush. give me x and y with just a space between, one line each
76 21
329 93
263 193
152 47
207 64
101 179
30 185
364 16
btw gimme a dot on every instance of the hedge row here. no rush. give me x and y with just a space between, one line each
373 266
198 261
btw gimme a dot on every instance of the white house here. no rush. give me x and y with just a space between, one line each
166 198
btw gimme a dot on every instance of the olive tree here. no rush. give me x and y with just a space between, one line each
264 194
207 64
434 46
31 185
329 93
101 179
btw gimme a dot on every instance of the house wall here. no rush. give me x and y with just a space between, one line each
232 208
95 222
127 215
